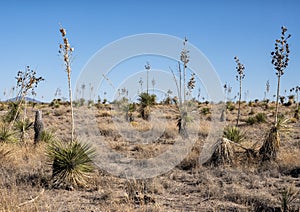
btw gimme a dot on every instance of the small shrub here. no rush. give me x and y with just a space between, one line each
260 118
233 134
205 110
55 103
230 106
250 120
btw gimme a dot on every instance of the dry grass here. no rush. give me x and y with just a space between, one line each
25 171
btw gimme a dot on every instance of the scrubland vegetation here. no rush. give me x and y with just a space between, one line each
253 166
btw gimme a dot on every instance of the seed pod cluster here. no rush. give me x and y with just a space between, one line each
27 80
65 49
280 57
184 55
240 68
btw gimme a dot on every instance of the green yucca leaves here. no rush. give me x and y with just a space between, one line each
233 134
72 163
6 135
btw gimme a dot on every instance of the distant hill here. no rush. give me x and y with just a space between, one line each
28 99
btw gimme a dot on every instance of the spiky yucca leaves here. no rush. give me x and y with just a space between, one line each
22 126
270 147
6 134
146 101
233 134
72 163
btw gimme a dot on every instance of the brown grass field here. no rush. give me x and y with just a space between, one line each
244 185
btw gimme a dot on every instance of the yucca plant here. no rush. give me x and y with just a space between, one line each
72 163
241 75
184 88
6 134
234 134
280 59
22 126
270 147
146 101
260 118
222 153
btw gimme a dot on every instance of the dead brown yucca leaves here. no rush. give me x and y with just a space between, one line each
270 147
222 153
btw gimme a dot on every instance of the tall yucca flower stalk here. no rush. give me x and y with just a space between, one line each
66 51
240 70
280 59
185 58
27 81
147 67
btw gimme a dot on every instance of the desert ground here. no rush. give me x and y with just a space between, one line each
244 184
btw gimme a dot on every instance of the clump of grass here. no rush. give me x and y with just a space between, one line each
234 134
288 196
72 163
250 120
139 191
258 118
47 136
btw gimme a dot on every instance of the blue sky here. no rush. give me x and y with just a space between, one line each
220 29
